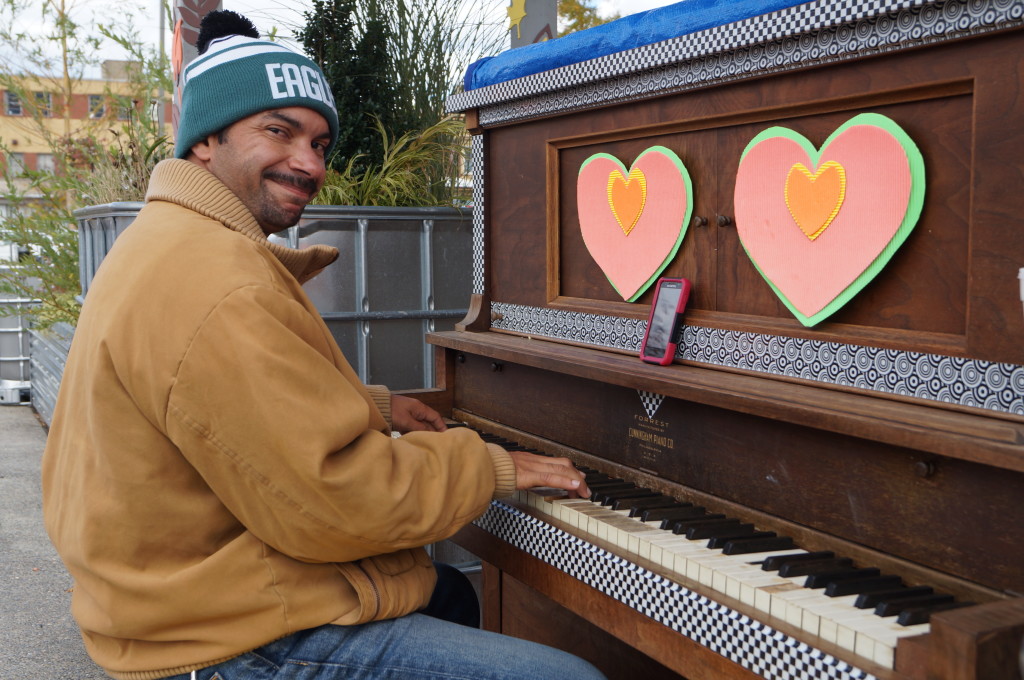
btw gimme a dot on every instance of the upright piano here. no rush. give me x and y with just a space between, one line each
829 497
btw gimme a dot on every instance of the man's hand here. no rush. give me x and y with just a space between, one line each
557 473
408 415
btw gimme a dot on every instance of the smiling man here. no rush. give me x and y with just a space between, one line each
227 495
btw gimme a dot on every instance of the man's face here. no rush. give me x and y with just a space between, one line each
273 161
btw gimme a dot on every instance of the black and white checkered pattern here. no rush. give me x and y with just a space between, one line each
947 379
651 402
755 646
812 34
476 164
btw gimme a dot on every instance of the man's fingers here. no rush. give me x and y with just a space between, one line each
558 473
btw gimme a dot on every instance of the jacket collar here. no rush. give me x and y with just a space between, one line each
190 186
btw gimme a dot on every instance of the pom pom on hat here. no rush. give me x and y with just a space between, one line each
238 75
223 22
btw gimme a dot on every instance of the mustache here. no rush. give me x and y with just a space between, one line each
305 183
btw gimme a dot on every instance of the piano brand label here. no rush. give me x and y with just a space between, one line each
651 438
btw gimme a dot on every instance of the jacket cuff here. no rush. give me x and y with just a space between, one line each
504 472
381 397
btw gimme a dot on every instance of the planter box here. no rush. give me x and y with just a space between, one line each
98 226
48 352
403 272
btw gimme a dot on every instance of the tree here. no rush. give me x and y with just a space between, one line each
96 160
393 63
329 38
577 15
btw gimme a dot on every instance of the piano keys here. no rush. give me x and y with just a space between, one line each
853 607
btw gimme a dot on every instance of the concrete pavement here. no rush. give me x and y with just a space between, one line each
38 638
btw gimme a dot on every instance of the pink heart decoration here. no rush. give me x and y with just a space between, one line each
633 255
884 192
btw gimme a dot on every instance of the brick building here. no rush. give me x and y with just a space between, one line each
95 108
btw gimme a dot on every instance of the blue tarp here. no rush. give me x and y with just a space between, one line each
635 30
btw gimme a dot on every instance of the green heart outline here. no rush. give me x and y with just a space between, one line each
915 204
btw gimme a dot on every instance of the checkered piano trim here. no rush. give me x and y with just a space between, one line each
947 379
814 33
476 164
755 646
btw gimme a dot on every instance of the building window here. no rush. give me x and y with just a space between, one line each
97 109
44 162
16 164
12 105
44 104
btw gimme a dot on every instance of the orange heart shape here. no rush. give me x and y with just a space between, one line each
627 197
814 200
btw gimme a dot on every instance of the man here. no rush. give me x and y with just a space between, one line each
226 494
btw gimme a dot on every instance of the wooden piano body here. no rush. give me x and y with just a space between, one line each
892 432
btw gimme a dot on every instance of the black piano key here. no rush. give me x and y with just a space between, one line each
894 607
862 585
805 567
627 502
606 479
500 441
691 512
609 497
775 562
603 492
614 483
681 526
745 546
658 514
842 574
871 600
635 494
638 506
720 541
916 615
712 528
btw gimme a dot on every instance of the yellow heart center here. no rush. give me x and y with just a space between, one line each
814 200
627 197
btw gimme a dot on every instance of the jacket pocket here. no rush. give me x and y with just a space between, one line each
396 563
403 581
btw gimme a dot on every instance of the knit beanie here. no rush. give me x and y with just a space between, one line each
238 76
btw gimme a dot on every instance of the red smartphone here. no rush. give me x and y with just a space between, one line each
659 345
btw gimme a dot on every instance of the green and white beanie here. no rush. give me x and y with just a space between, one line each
237 77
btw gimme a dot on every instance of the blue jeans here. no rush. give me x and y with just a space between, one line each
429 645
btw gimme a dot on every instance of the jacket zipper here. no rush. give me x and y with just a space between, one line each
373 586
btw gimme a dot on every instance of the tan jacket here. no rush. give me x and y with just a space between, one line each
216 476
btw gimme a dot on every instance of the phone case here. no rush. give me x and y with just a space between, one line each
665 321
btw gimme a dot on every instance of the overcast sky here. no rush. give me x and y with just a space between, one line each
284 15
